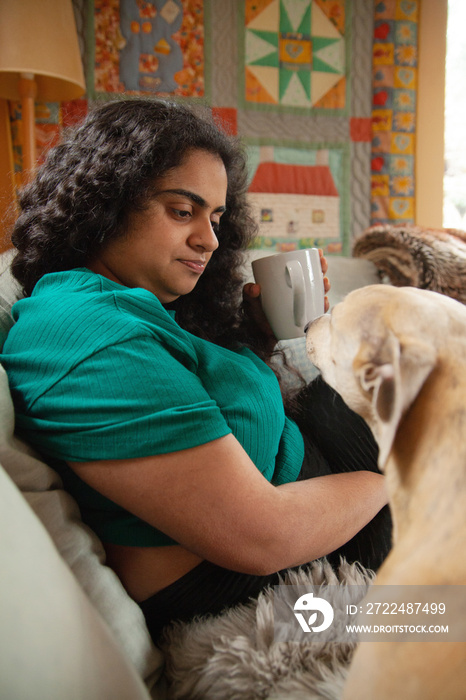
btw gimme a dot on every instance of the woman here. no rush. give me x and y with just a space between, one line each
138 373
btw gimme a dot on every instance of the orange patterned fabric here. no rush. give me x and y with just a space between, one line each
394 110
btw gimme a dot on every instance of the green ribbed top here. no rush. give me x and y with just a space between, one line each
101 371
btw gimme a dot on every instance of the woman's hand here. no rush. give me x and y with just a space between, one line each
324 266
255 314
253 307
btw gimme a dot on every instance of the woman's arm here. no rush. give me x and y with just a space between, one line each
215 502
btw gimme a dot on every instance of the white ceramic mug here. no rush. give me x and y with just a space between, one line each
292 290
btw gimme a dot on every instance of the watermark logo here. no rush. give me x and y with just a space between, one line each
309 602
373 613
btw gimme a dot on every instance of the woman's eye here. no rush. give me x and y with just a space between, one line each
182 213
215 226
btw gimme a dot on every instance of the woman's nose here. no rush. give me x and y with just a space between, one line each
205 237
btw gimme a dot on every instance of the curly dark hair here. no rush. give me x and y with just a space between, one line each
83 194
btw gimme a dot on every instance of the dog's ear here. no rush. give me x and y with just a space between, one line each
391 371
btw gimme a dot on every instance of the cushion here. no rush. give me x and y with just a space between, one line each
80 548
53 643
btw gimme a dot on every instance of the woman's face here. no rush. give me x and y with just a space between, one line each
169 244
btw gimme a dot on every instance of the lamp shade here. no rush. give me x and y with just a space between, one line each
39 38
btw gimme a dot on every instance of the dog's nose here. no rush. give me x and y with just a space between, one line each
309 324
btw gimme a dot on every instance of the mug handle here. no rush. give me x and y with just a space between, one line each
295 279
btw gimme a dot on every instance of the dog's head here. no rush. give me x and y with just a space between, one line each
377 348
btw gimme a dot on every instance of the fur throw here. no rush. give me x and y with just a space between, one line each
413 256
234 656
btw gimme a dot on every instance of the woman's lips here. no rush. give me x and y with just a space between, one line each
194 265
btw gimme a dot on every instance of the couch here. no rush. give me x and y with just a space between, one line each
67 627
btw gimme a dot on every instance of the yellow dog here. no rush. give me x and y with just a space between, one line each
397 356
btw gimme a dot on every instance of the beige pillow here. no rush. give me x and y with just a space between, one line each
53 644
78 545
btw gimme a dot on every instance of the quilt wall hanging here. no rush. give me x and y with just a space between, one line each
294 54
298 195
322 92
149 47
394 110
294 60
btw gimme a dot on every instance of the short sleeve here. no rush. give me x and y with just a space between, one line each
131 399
290 454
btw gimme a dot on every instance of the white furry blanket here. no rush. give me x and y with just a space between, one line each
234 656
